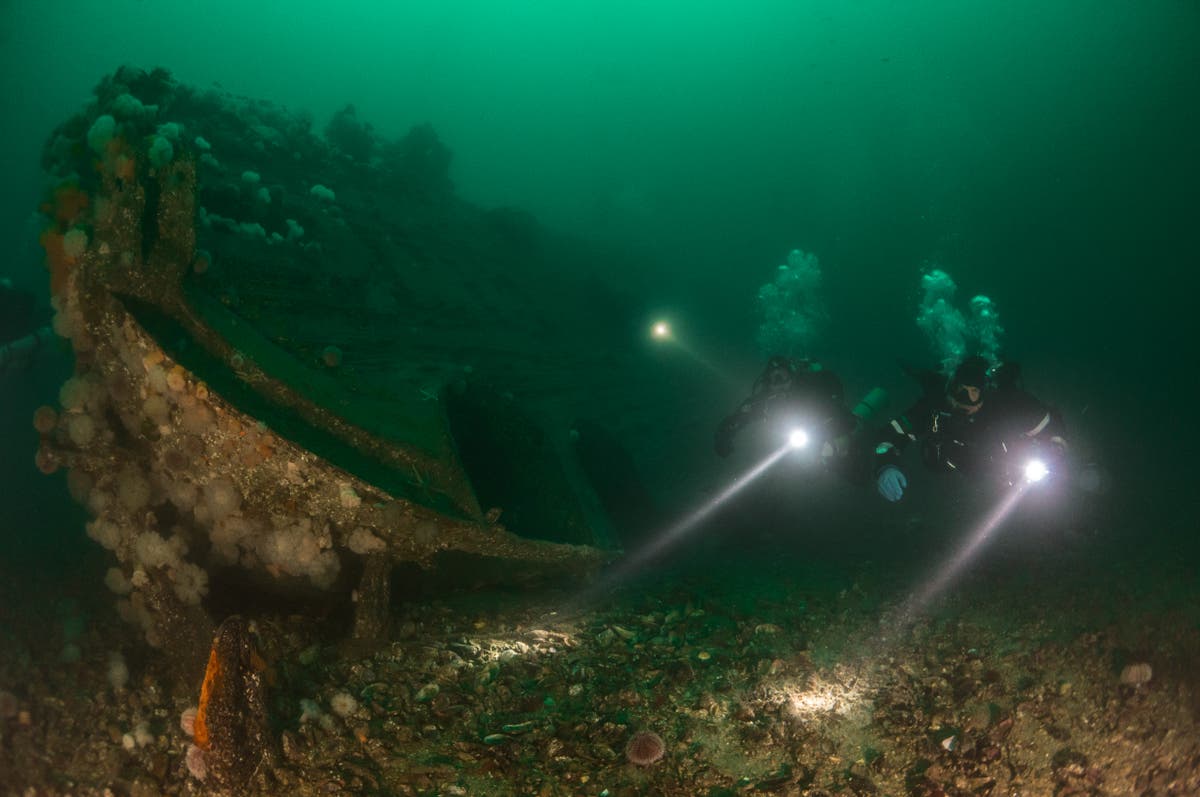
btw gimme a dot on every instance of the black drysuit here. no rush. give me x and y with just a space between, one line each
1009 425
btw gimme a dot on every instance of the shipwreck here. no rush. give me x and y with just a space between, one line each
301 362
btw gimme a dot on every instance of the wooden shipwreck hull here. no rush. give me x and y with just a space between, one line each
200 443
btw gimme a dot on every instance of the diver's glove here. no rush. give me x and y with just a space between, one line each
891 483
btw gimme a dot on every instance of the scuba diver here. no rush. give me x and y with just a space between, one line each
801 396
977 420
21 337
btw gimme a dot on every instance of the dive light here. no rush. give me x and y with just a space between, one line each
1035 470
797 437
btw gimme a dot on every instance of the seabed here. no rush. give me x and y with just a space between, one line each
760 678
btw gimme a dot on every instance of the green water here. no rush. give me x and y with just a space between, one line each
1044 154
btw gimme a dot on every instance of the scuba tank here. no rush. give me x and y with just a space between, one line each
870 405
866 410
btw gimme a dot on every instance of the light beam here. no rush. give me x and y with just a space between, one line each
949 570
636 560
663 332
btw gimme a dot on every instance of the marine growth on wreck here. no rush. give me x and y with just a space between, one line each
224 414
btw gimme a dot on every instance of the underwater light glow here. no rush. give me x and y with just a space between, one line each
1036 470
813 702
525 643
841 692
661 331
797 438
